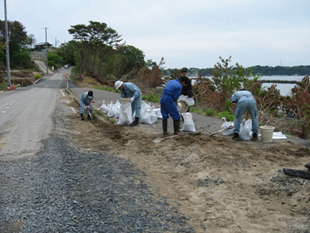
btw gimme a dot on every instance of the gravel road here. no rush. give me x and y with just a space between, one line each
64 188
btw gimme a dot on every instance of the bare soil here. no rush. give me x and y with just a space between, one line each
220 184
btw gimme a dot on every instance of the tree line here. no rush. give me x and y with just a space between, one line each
263 70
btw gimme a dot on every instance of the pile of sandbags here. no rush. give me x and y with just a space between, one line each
122 111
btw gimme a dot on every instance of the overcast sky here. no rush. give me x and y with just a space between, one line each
190 33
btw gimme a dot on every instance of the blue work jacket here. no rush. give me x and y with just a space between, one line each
130 90
172 89
84 98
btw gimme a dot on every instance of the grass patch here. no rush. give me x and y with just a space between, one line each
227 115
112 120
152 97
211 112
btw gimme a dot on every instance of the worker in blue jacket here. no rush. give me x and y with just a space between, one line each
86 99
168 103
243 100
130 90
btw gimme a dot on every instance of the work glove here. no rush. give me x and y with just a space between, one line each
132 99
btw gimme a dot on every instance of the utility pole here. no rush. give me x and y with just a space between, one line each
65 48
46 51
56 42
7 46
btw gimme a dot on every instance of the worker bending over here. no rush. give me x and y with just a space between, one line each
168 103
243 100
130 90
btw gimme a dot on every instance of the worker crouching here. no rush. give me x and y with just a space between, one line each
85 100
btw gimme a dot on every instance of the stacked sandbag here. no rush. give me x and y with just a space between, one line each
188 125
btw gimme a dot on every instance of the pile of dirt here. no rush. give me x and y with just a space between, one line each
220 184
22 74
89 81
23 81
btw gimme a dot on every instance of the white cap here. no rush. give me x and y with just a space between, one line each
118 84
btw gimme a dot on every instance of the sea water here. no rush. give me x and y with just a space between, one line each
284 88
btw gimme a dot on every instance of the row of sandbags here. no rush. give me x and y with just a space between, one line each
149 114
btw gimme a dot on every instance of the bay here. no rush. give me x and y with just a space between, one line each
284 88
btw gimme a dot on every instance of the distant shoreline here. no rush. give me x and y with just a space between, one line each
278 81
267 81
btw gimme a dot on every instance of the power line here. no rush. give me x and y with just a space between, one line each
25 8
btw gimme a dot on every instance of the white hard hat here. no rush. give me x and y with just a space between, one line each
118 84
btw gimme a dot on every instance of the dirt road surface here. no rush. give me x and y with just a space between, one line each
221 185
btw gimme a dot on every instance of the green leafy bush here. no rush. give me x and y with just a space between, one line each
3 86
211 112
37 76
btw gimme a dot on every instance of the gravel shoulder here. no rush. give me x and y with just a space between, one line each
67 187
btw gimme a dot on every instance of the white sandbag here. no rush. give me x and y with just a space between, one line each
104 108
225 125
117 103
125 114
145 117
188 125
189 101
117 106
245 131
158 113
112 111
153 116
145 114
117 111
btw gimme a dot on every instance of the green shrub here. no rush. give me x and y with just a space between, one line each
37 76
227 115
199 111
3 86
211 112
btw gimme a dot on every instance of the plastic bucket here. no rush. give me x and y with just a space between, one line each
182 106
267 133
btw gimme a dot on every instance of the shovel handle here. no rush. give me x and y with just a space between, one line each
229 127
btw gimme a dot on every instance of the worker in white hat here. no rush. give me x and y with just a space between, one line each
130 90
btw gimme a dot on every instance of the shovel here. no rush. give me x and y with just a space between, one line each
220 131
157 140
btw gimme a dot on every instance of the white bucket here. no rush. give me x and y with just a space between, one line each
125 100
182 106
267 133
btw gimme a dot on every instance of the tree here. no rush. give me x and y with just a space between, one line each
94 37
18 41
132 55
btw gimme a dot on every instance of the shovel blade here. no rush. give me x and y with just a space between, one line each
157 140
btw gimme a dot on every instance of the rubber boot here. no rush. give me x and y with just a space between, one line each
135 123
165 127
254 137
176 126
82 116
236 137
